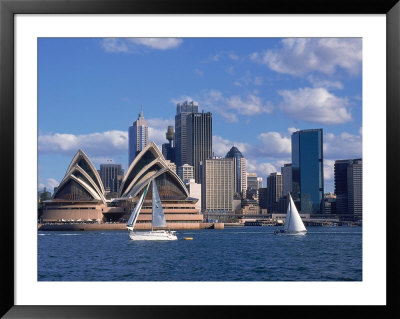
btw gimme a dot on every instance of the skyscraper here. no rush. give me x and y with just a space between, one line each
286 171
348 186
138 137
180 139
240 170
252 185
199 140
111 175
217 185
307 171
274 192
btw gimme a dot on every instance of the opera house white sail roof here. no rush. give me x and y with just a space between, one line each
81 181
149 164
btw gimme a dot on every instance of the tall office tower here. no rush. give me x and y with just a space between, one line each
138 137
199 140
168 149
262 198
180 139
348 186
186 172
286 171
307 171
252 185
240 170
111 175
217 185
274 192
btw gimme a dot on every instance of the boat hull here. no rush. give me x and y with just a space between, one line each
152 235
284 232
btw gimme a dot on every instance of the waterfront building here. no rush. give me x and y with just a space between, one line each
240 170
138 137
217 185
262 197
199 140
194 190
330 203
180 138
81 194
286 171
111 176
307 171
249 207
168 149
252 186
274 192
186 172
348 186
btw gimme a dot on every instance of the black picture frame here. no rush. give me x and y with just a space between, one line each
8 8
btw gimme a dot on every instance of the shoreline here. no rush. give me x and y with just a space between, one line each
120 226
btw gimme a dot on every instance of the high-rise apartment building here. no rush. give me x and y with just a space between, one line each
111 175
307 171
180 138
138 137
274 192
286 171
240 170
217 185
199 140
348 186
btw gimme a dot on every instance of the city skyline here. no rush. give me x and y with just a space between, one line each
259 91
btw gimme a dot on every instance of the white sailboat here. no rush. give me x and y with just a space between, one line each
158 219
293 223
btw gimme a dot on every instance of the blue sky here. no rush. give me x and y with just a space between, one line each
260 90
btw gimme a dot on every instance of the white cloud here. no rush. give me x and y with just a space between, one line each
131 45
158 43
299 56
343 146
100 146
198 72
233 56
315 105
328 169
263 169
230 107
181 99
323 83
95 144
273 144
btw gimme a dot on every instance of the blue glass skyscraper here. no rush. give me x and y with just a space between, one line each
307 171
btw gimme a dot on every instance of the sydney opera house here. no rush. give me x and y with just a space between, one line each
81 194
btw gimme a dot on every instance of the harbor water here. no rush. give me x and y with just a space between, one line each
250 253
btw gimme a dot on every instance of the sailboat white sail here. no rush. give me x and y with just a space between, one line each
158 219
293 221
135 213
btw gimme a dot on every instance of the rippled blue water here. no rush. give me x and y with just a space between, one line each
232 254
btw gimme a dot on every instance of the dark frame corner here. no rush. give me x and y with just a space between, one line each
8 8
